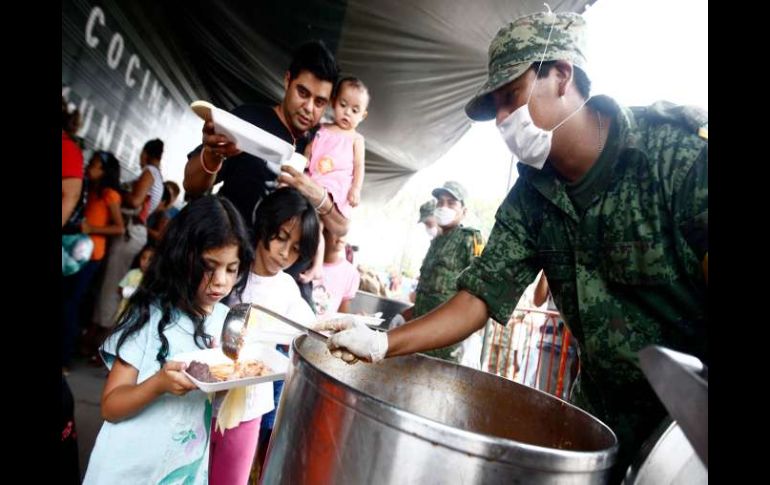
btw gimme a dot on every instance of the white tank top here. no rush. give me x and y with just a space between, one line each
156 189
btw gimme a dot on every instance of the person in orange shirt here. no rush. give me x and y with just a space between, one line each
102 219
103 206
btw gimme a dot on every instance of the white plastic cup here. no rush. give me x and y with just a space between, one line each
297 161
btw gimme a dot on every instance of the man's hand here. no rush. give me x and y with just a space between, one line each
333 221
201 169
219 145
354 340
304 184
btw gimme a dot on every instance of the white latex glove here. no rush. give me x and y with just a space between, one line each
354 340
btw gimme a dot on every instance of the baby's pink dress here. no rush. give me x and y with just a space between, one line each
331 165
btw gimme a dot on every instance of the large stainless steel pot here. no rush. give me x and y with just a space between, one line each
369 304
667 458
421 420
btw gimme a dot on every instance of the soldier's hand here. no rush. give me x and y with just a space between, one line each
354 340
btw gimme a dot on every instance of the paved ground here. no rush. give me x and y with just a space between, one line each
86 383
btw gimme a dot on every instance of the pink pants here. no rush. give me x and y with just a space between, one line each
232 453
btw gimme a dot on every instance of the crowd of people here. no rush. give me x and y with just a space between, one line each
611 205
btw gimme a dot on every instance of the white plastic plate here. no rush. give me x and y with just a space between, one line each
277 362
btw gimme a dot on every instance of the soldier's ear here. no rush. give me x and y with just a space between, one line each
564 74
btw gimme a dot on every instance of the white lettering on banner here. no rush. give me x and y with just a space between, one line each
86 114
126 149
113 57
151 109
167 115
144 85
105 134
156 95
133 61
96 14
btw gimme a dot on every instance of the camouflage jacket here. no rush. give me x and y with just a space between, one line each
447 256
625 272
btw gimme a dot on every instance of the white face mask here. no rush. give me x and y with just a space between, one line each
530 144
445 215
432 231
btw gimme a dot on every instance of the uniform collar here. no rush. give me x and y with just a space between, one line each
547 181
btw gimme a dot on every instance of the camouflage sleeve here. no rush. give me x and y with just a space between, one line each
691 205
426 261
507 265
678 139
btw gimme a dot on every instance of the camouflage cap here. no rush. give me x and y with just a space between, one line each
426 210
520 44
452 188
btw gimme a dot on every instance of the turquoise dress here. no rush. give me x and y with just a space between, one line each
167 442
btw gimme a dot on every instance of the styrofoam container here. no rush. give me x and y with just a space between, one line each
246 136
277 362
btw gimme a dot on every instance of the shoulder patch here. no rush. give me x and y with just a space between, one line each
478 240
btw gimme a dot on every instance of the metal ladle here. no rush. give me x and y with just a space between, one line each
236 322
234 330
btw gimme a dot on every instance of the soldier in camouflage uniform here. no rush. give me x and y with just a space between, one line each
449 254
617 217
428 219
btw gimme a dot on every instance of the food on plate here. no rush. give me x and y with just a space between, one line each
228 371
200 371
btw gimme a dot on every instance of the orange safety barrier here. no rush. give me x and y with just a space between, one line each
536 351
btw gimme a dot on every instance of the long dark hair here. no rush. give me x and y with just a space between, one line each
111 177
279 207
177 268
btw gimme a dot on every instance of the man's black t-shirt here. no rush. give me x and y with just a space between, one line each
246 178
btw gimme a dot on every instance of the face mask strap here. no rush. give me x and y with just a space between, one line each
542 57
572 114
